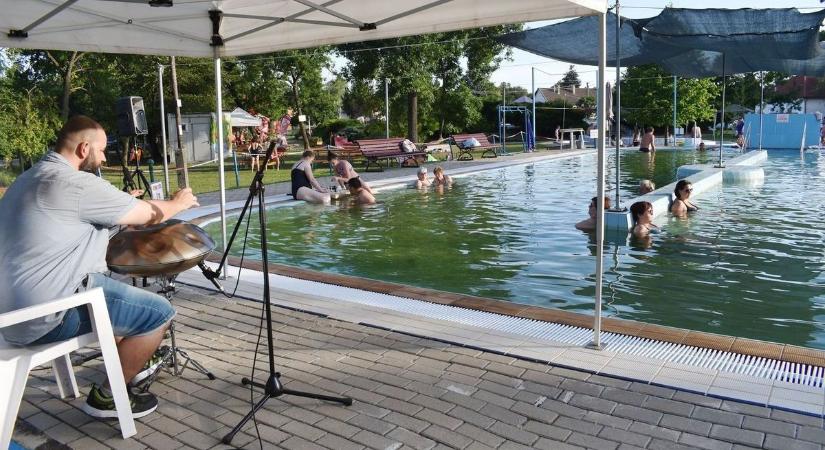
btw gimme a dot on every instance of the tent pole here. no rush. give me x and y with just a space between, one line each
674 111
163 131
219 116
533 86
761 105
600 115
618 113
180 156
387 106
722 137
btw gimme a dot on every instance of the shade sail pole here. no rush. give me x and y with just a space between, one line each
163 131
601 104
533 86
722 137
761 105
618 112
387 106
674 110
219 118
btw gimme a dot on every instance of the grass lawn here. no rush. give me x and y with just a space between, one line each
205 178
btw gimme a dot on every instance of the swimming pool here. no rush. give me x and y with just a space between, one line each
749 264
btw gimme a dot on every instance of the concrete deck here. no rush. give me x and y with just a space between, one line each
410 392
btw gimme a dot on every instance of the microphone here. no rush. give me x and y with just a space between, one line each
212 276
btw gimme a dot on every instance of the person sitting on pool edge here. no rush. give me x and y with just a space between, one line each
440 179
422 181
361 195
642 213
646 186
682 205
344 172
304 185
590 223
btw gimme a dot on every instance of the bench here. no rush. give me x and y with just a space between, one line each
376 149
465 153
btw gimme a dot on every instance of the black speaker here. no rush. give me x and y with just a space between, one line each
131 118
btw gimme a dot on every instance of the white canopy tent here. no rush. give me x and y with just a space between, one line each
220 28
240 118
523 99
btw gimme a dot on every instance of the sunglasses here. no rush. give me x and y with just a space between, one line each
689 189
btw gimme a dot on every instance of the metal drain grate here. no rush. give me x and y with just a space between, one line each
766 368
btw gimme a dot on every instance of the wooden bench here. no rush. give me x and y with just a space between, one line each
375 150
465 153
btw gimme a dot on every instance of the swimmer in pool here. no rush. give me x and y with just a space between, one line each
642 213
589 224
682 205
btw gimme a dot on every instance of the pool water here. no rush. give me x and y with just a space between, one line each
749 264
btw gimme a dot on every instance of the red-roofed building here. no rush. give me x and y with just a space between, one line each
810 90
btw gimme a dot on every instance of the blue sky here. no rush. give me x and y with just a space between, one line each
518 70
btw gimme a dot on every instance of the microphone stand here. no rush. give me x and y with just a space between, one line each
272 387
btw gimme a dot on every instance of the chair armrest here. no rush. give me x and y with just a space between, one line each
93 297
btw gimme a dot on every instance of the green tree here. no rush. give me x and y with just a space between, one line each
647 95
428 80
571 78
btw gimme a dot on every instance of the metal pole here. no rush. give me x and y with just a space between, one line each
163 131
503 118
387 105
722 137
600 114
618 112
761 105
180 157
674 111
219 111
533 86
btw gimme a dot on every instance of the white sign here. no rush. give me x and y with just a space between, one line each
302 118
157 190
594 133
783 118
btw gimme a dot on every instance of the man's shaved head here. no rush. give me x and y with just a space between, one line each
82 142
76 130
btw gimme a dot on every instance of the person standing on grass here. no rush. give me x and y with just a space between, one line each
56 220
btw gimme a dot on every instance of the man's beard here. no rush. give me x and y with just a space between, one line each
91 163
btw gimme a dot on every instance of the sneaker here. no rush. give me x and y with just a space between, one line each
102 406
152 365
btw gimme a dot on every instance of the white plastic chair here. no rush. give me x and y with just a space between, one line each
16 362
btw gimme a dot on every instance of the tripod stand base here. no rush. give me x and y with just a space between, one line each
274 388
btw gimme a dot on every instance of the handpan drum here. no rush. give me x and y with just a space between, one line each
167 248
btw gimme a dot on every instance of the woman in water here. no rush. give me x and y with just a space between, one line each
304 185
682 205
589 224
439 179
642 213
646 186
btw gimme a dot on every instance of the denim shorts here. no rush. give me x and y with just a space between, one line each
132 311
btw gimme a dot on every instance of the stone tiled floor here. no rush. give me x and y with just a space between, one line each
409 393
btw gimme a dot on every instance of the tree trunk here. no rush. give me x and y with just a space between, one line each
412 116
297 96
68 74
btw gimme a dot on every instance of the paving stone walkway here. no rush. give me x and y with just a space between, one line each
410 393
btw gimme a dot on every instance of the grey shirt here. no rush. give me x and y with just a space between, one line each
54 230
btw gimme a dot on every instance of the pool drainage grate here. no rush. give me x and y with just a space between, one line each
724 361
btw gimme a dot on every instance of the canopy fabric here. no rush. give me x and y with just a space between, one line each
252 26
241 118
691 42
523 99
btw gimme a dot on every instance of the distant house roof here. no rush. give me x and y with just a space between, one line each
803 86
571 94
